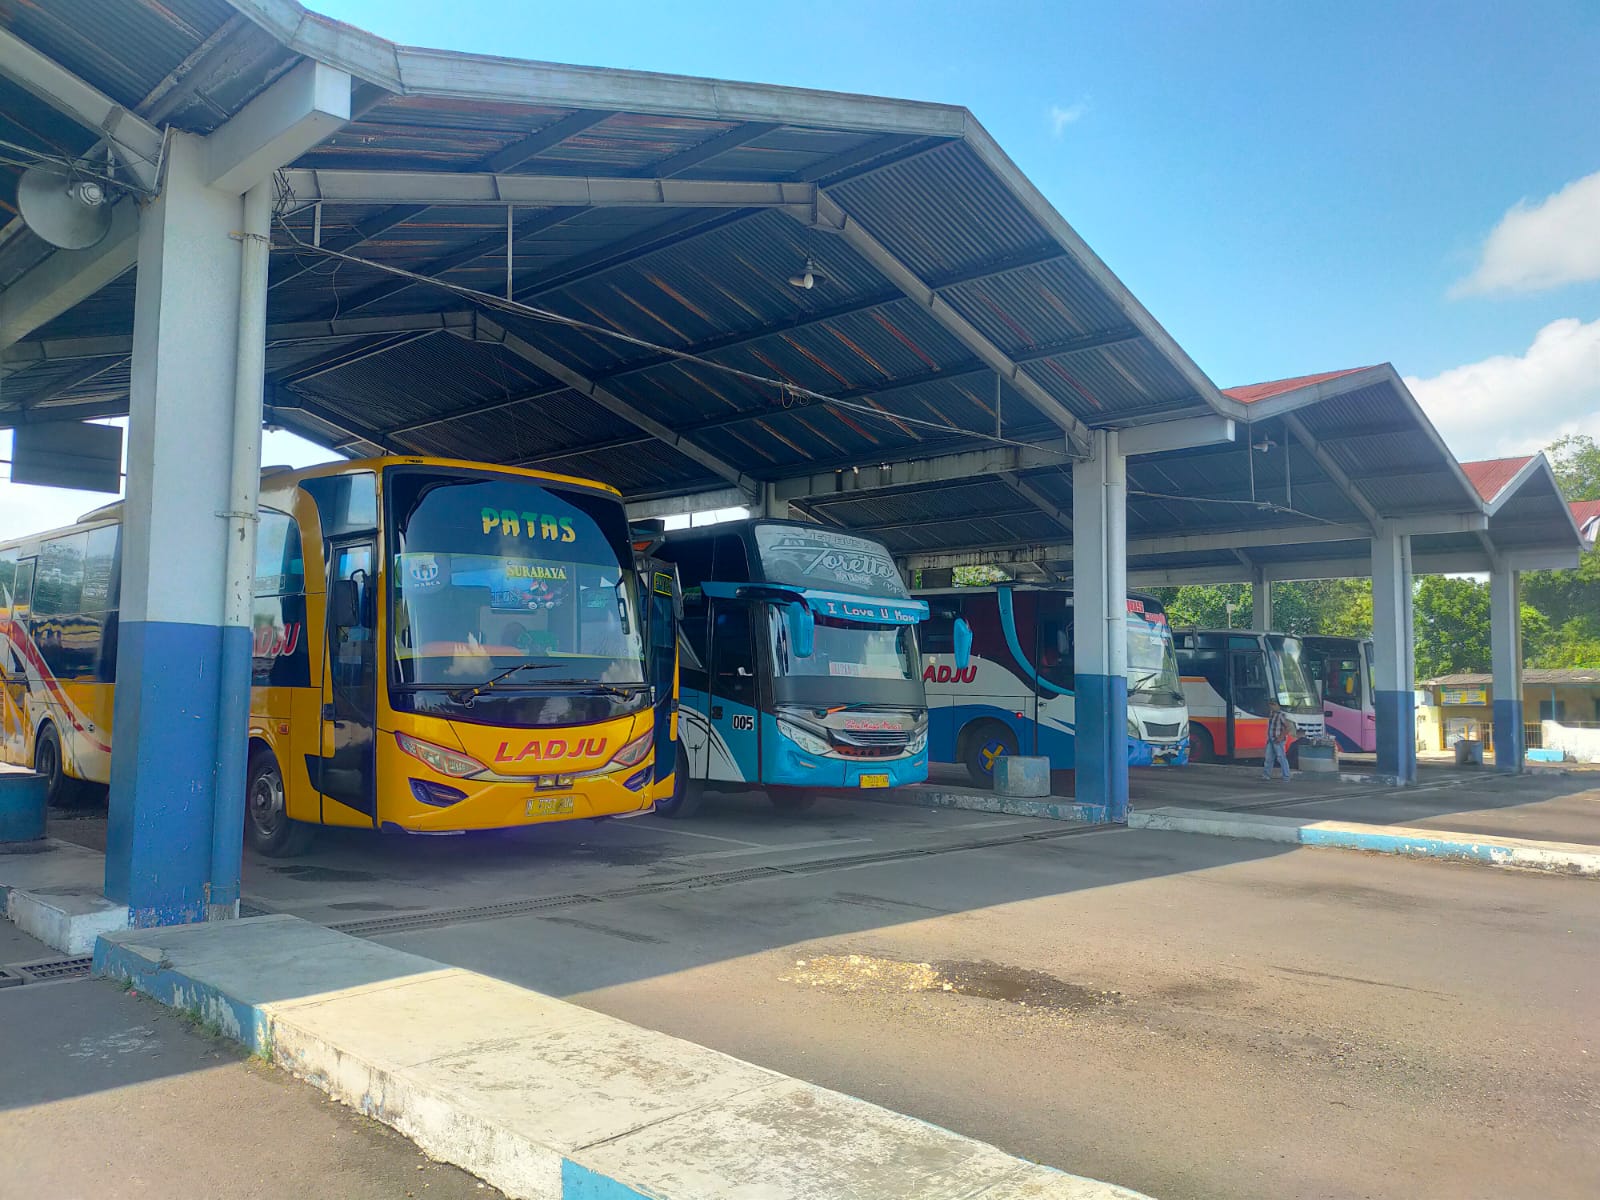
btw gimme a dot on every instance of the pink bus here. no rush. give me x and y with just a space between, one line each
1341 667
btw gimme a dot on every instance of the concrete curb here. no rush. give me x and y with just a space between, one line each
546 1099
929 795
1568 857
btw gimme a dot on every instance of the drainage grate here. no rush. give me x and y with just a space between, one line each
51 969
10 978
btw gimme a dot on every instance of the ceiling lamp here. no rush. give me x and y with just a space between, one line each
808 277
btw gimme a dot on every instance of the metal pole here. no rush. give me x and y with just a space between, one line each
227 827
510 237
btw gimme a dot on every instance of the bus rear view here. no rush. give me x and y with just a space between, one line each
807 673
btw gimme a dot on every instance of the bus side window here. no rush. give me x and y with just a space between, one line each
732 560
938 632
731 657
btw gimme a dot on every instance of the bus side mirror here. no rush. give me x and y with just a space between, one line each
963 640
802 629
346 604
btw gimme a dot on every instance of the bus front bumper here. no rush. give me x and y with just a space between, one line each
790 766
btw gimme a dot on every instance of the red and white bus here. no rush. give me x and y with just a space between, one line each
1229 678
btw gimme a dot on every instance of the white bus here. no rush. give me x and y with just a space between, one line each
1230 676
1015 695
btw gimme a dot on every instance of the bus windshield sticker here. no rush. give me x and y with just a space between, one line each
821 558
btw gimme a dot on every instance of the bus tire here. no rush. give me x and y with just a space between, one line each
267 827
981 744
1201 747
1293 755
685 798
791 799
61 790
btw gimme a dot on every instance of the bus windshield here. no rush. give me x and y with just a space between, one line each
494 572
1152 663
1290 676
846 650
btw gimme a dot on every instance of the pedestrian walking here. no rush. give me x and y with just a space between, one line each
1277 741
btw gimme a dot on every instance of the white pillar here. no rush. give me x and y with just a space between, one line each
1393 651
1505 638
170 638
1261 600
1100 625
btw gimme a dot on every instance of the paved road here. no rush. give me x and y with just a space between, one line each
106 1095
1192 1017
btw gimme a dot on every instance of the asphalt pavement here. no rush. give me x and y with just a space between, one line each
106 1095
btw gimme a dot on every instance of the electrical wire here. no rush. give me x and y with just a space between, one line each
790 394
1258 505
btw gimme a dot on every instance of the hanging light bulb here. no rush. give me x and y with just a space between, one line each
807 278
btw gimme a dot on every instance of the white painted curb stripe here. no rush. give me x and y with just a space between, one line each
1569 857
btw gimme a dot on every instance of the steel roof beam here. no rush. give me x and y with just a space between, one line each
492 331
909 472
1037 498
69 276
831 218
10 419
311 185
138 142
699 502
27 354
293 115
732 139
1332 469
348 356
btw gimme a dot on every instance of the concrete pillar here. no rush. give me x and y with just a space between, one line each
771 505
167 724
1505 637
1100 617
1393 646
1261 597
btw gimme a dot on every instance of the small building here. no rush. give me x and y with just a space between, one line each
1462 705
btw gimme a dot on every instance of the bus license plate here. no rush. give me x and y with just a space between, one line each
871 781
549 806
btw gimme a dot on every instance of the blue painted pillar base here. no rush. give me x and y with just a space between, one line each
163 770
1509 749
1101 752
1396 719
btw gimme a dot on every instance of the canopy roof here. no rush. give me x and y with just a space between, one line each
967 336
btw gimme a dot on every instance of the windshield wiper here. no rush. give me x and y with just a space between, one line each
625 690
466 696
1144 679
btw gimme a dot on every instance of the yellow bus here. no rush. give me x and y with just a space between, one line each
438 646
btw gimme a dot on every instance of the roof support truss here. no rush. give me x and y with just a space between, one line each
492 331
828 216
542 191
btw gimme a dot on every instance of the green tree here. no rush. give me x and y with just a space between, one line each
1334 607
1569 600
1452 624
1575 459
1206 605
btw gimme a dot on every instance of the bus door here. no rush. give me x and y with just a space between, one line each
662 613
351 700
15 712
1249 690
735 749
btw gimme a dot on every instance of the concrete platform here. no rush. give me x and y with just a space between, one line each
545 1099
52 890
1383 839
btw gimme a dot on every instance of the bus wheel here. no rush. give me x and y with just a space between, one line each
1201 748
267 827
985 744
791 799
685 798
47 762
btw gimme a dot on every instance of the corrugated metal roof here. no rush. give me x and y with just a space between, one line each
922 180
1531 676
1491 475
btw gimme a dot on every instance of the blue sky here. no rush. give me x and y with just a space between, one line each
1289 188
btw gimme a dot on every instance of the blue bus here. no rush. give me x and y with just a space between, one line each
1013 694
800 668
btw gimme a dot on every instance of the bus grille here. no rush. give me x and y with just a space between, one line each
875 737
1153 730
868 751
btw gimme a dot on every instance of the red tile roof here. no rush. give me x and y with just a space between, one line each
1492 474
1253 392
1584 511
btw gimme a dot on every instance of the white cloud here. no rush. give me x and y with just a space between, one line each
1515 404
1060 117
26 509
1541 246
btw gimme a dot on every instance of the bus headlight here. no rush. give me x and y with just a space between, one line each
804 738
918 742
1183 729
447 762
633 753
